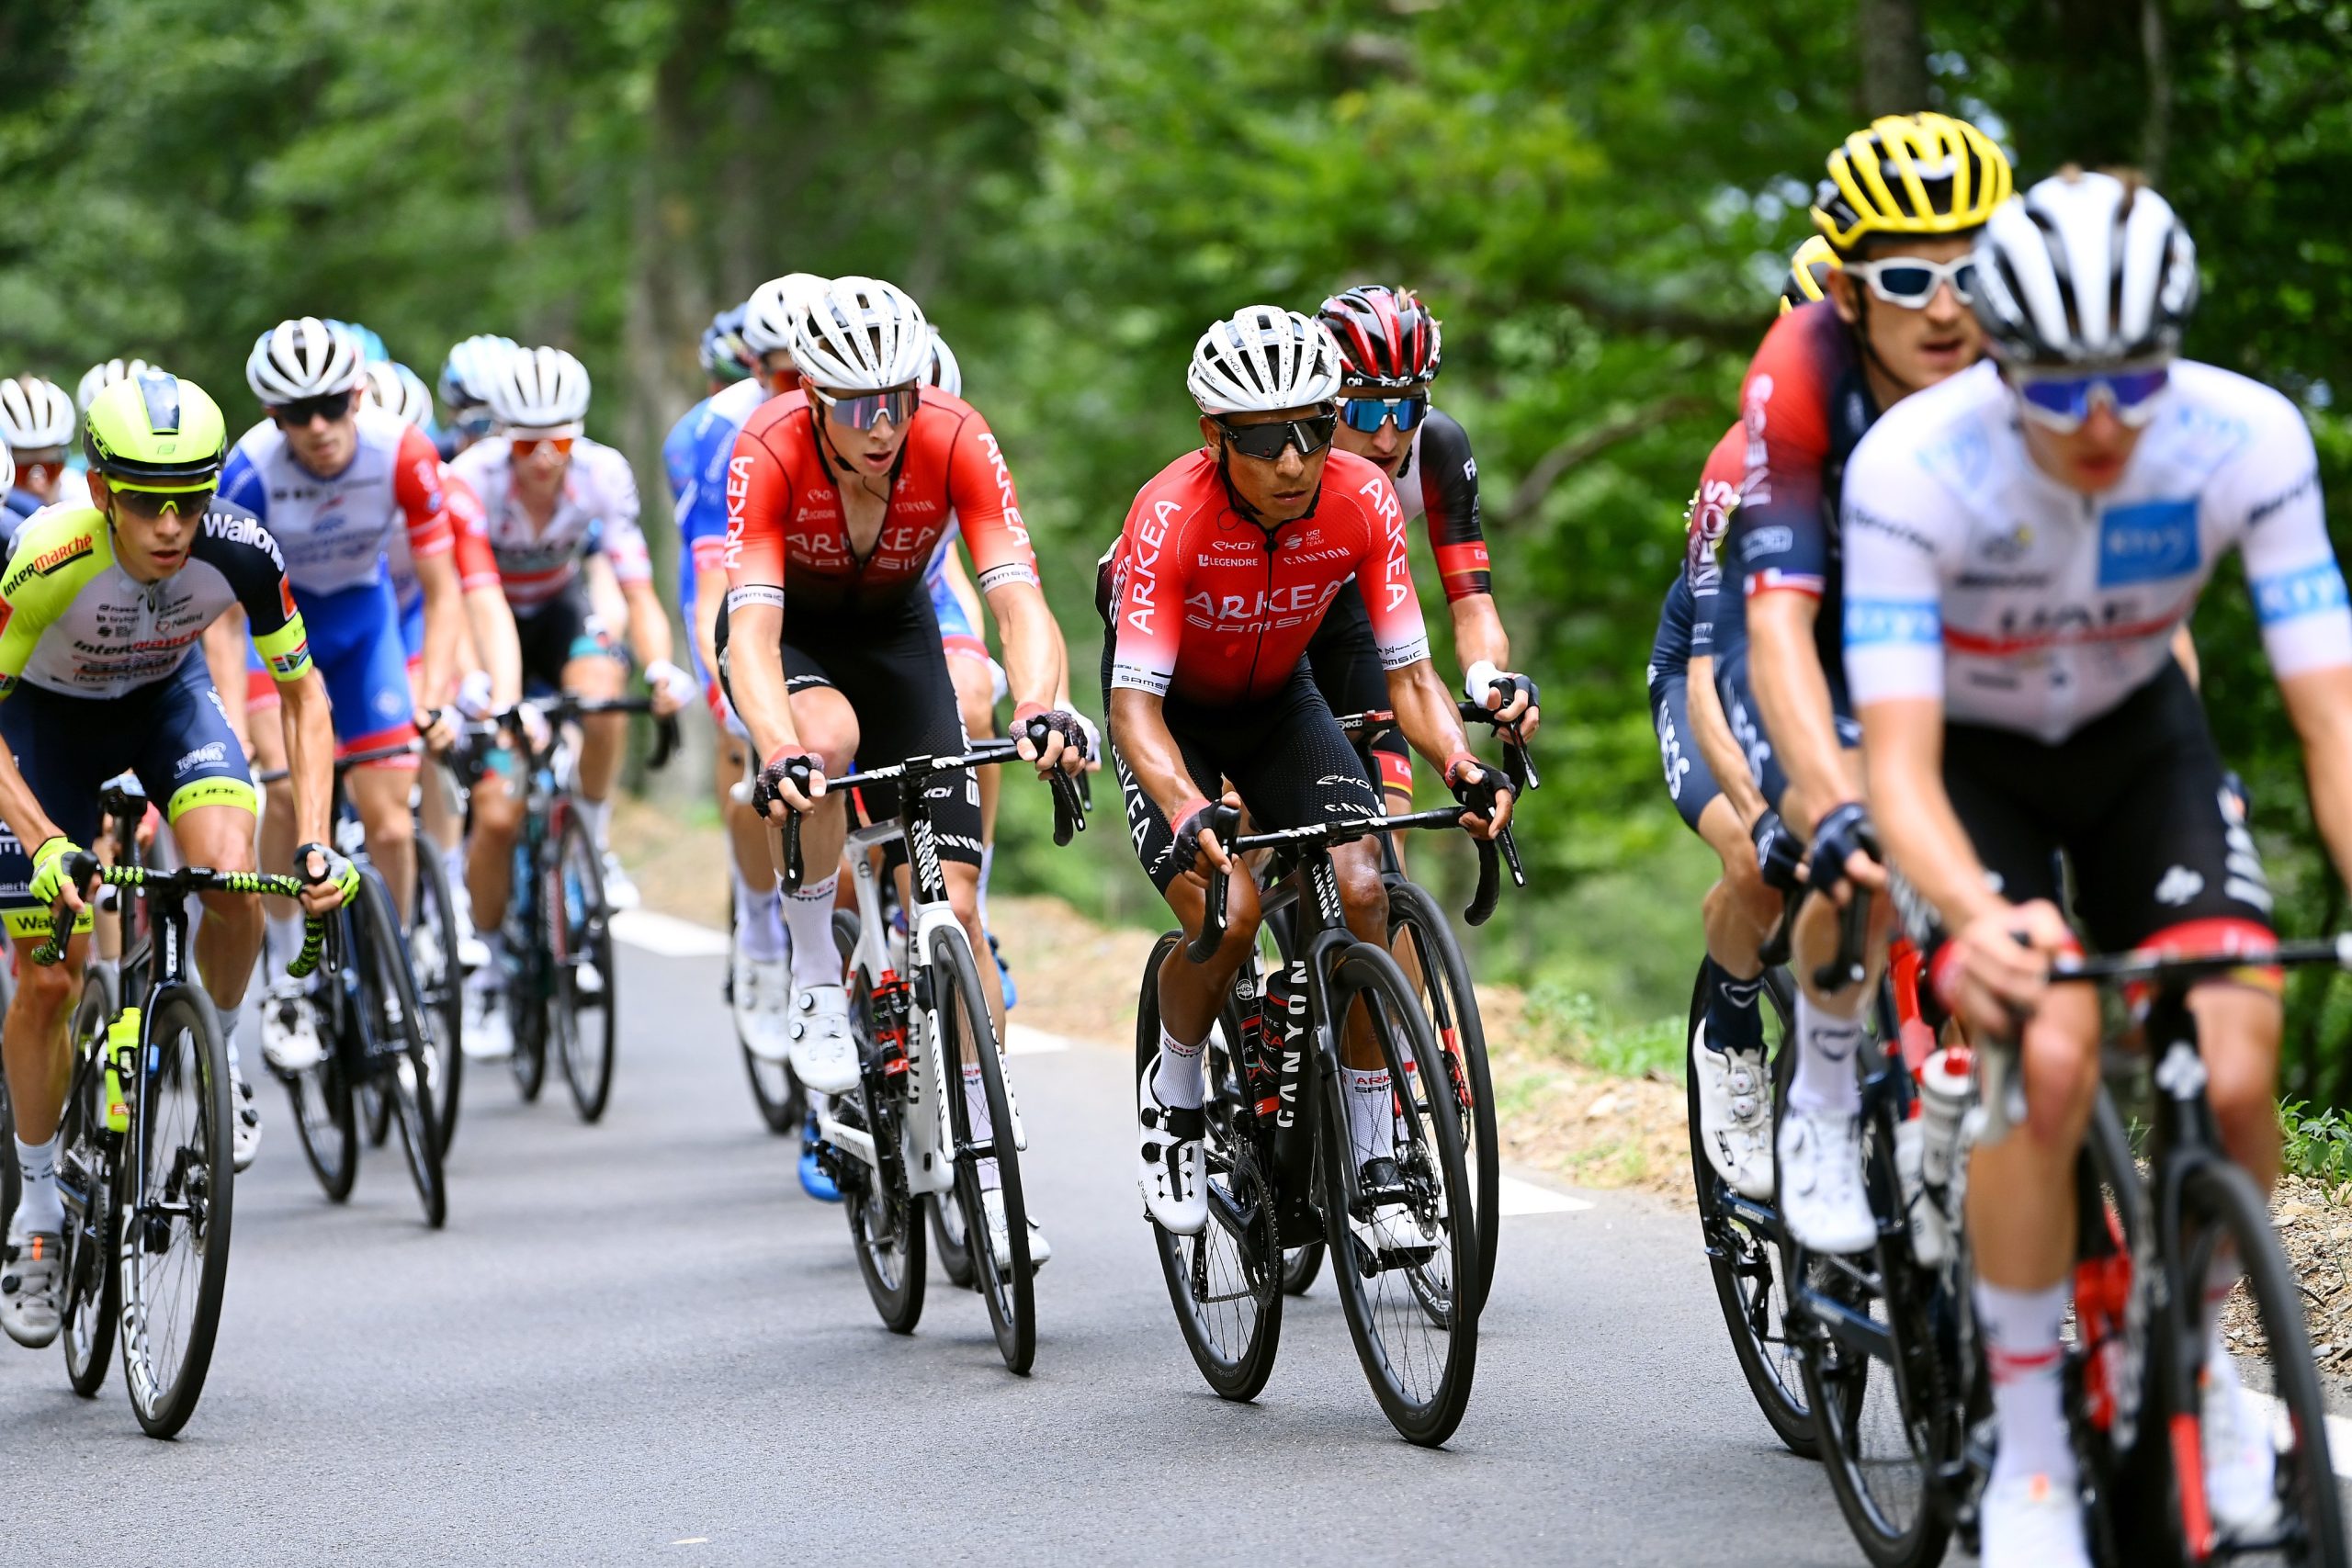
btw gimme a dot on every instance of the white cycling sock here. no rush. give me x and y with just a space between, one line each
598 815
228 1017
1826 1045
38 1208
808 916
759 918
1179 1080
2020 1330
1371 1114
284 942
975 1106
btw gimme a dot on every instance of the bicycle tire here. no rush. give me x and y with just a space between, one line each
1744 1256
325 1117
396 1019
1006 1285
1450 999
1426 1410
11 1179
440 982
180 1183
886 1224
585 1017
1237 1259
90 1295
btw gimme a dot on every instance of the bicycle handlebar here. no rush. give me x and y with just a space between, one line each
318 932
1850 964
1518 760
2121 968
1070 801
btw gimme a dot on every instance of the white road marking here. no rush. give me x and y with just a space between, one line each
2339 1430
667 935
1020 1040
1515 1197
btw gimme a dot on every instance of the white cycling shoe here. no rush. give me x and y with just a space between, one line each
289 1032
1391 1234
824 1054
1822 1200
762 999
1169 1168
1734 1116
488 1034
2241 1466
245 1125
620 889
2032 1521
1041 1251
31 1268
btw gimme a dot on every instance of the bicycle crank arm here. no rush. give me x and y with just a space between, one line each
852 1140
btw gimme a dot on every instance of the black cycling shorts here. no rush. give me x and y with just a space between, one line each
1345 658
887 660
566 628
2136 801
1689 782
1285 756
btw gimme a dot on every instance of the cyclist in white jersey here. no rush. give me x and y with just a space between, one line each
2021 543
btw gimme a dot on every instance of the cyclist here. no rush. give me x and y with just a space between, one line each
2022 543
1390 347
37 425
542 484
101 375
1227 562
1901 203
1707 778
837 497
102 609
465 389
336 481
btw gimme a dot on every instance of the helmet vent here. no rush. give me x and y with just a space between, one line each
162 395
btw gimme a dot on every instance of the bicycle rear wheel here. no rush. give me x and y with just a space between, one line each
1451 1002
1409 1294
586 1022
180 1186
1006 1284
89 1181
325 1119
399 1066
1227 1282
884 1218
440 983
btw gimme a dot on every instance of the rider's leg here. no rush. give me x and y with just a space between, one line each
976 704
1829 1025
39 1066
759 906
277 849
1738 913
2238 1028
827 726
228 939
602 738
381 793
489 847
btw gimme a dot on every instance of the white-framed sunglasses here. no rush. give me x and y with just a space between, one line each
1911 283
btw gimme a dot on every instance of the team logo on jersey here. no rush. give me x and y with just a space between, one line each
2147 543
50 560
210 754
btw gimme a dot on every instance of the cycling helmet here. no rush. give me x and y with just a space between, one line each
1261 359
861 334
465 375
1809 272
538 389
153 431
2084 268
99 378
371 347
1386 336
303 358
1916 174
36 414
400 391
724 357
7 470
944 372
767 314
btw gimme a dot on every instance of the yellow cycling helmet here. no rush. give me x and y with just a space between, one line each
1809 272
1914 174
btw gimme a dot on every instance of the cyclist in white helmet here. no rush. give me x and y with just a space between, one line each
37 423
464 388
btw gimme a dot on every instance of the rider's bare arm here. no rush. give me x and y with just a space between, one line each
309 755
1711 731
1427 712
2320 703
649 622
1139 728
445 627
1784 672
224 659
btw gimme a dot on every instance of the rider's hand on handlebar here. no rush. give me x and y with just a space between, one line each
1485 796
330 880
1845 854
2002 965
1510 696
438 727
1196 840
672 688
792 781
1051 737
50 883
474 695
1779 851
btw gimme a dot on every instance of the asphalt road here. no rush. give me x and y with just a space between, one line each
639 1343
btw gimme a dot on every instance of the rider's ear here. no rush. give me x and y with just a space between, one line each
1209 432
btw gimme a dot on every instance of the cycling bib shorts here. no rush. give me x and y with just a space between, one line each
356 643
1689 782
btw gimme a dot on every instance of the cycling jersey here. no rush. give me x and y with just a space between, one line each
72 621
785 531
2025 606
16 509
535 563
477 568
1213 608
956 632
1715 625
1689 781
333 532
1438 482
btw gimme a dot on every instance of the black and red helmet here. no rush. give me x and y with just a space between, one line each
1388 337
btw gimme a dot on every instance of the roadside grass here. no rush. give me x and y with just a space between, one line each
1575 1026
2317 1146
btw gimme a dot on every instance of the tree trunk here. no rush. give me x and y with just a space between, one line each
2155 127
1894 58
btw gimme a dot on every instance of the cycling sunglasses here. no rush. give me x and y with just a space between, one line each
153 503
1368 414
298 415
863 411
1266 442
2061 403
525 446
1904 281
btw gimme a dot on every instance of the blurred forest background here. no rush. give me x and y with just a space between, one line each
1599 198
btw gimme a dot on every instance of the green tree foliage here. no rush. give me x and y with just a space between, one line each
1598 198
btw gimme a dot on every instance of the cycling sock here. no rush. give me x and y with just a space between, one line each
1371 1114
1178 1081
975 1106
1826 1046
38 1208
2020 1330
759 918
285 940
228 1017
808 916
2222 1276
1732 1023
598 815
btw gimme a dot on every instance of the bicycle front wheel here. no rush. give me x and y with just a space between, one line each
581 922
172 1251
89 1181
1405 1256
326 1122
966 1029
440 983
399 1066
1417 926
885 1216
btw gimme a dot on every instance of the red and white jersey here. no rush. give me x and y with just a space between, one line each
786 535
333 532
1215 610
537 564
477 568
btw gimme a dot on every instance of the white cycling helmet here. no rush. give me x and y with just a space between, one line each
304 359
465 375
401 392
768 313
538 389
861 334
1264 358
2083 269
946 374
104 374
36 415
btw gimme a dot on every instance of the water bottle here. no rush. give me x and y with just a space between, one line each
122 1046
1926 1217
1943 1096
1250 1058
